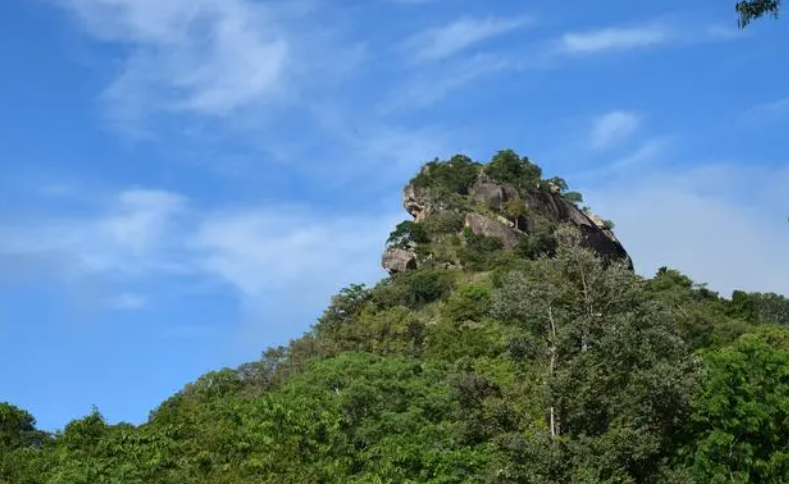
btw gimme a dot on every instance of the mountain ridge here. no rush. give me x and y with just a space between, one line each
535 359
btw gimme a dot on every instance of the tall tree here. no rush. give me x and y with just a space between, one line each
617 374
749 10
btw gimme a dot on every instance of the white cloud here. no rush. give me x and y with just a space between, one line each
613 128
128 301
127 237
430 87
148 234
615 39
260 251
204 56
441 42
141 219
779 107
722 224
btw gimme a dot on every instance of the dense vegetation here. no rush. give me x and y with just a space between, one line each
528 366
749 10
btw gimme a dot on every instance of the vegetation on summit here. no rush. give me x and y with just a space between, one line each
540 364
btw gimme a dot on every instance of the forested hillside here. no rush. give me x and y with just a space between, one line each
512 343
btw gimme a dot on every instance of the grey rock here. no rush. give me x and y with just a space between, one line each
415 204
493 194
397 260
482 225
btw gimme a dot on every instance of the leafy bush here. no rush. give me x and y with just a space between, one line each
561 184
407 233
468 304
535 245
524 347
456 175
507 167
759 307
392 330
414 289
444 223
479 250
738 423
574 197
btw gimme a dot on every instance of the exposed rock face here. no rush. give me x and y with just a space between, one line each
397 260
592 227
490 193
543 209
484 226
415 203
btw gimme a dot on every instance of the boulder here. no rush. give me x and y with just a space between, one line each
397 260
482 225
595 236
414 203
493 194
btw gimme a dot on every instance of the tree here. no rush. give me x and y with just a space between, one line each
508 167
17 427
406 234
454 176
749 10
738 425
618 377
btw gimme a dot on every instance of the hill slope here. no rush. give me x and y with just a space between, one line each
512 344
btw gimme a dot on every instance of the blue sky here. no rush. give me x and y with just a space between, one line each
186 182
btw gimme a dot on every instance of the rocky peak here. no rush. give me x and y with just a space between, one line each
450 200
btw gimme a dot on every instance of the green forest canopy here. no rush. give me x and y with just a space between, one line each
518 369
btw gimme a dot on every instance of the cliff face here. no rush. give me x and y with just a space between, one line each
522 218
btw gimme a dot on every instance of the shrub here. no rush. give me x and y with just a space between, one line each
393 330
507 167
469 304
456 175
538 244
574 197
479 250
524 347
414 289
444 223
407 233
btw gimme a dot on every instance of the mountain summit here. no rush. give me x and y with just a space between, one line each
505 206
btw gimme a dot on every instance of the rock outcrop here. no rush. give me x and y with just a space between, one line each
482 225
415 203
595 234
488 209
397 260
493 194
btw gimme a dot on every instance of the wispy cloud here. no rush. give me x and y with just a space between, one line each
439 43
128 301
150 234
205 56
692 219
427 88
261 250
777 107
662 33
613 128
614 39
249 73
204 60
141 219
123 237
